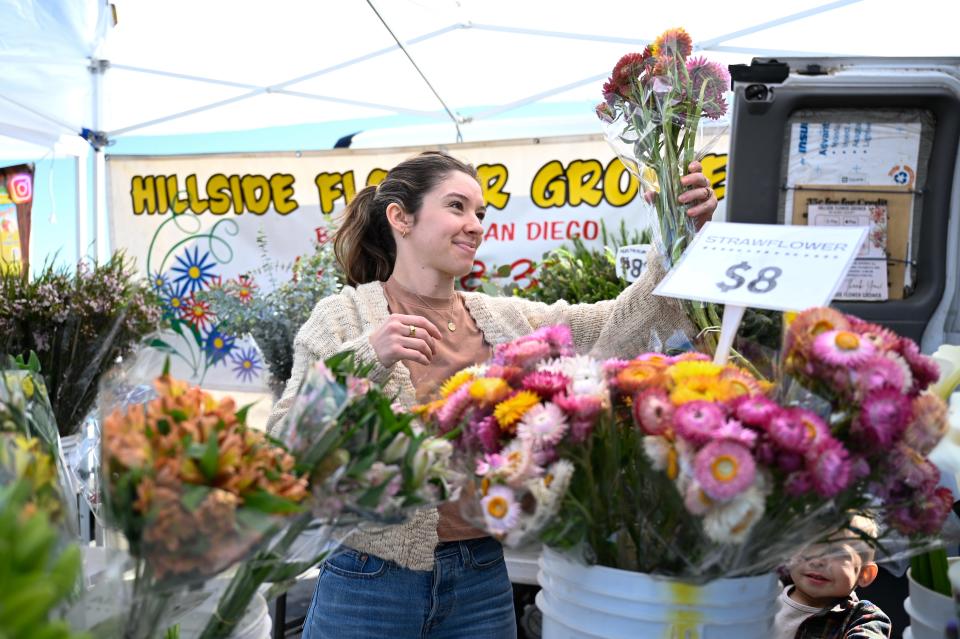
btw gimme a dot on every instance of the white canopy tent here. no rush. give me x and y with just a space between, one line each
86 69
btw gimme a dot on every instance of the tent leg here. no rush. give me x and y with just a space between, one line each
83 206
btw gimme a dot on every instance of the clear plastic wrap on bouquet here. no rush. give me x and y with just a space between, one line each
40 563
673 464
365 465
190 486
25 410
366 458
653 110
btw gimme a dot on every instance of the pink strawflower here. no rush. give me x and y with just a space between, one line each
755 410
882 419
798 483
928 423
489 464
925 514
789 462
878 372
613 366
859 467
842 348
732 430
580 429
798 430
653 411
913 470
696 421
711 80
546 384
882 338
521 354
579 407
486 432
724 469
766 452
450 414
831 470
560 337
543 425
925 369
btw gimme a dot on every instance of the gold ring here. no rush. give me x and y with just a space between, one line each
413 331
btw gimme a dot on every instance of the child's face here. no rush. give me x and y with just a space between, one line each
824 573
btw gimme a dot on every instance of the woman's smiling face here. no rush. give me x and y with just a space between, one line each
446 231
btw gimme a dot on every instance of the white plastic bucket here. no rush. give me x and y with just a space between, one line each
255 624
929 610
594 602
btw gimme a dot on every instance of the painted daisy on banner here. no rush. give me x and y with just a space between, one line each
195 271
218 346
246 363
197 312
174 300
159 281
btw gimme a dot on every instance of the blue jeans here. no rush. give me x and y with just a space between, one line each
466 596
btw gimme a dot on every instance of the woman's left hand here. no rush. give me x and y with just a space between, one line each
698 195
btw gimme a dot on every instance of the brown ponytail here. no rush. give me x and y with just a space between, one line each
364 244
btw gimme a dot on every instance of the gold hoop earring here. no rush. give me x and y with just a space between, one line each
403 233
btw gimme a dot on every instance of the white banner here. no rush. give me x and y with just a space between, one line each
539 195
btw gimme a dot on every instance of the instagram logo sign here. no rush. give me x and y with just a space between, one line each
20 188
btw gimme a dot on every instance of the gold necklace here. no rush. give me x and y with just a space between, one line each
451 325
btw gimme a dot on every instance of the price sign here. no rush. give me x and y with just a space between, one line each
764 265
631 261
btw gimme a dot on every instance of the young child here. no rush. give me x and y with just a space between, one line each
822 603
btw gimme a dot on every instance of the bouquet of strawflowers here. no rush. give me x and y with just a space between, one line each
671 465
883 417
364 463
193 489
652 108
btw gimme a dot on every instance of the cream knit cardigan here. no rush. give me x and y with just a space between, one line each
634 322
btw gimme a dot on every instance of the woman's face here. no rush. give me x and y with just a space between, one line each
446 232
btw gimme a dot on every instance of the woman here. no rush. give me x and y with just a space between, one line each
402 246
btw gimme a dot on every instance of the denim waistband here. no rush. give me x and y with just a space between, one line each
451 548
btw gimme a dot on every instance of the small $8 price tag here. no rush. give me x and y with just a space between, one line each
631 261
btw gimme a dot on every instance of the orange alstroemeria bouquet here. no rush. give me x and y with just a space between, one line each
192 488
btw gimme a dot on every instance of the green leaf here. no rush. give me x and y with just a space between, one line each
166 365
160 345
268 503
210 458
193 495
242 413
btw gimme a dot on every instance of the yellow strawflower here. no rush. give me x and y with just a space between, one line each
510 411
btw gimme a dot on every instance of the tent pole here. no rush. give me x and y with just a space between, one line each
83 205
101 248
